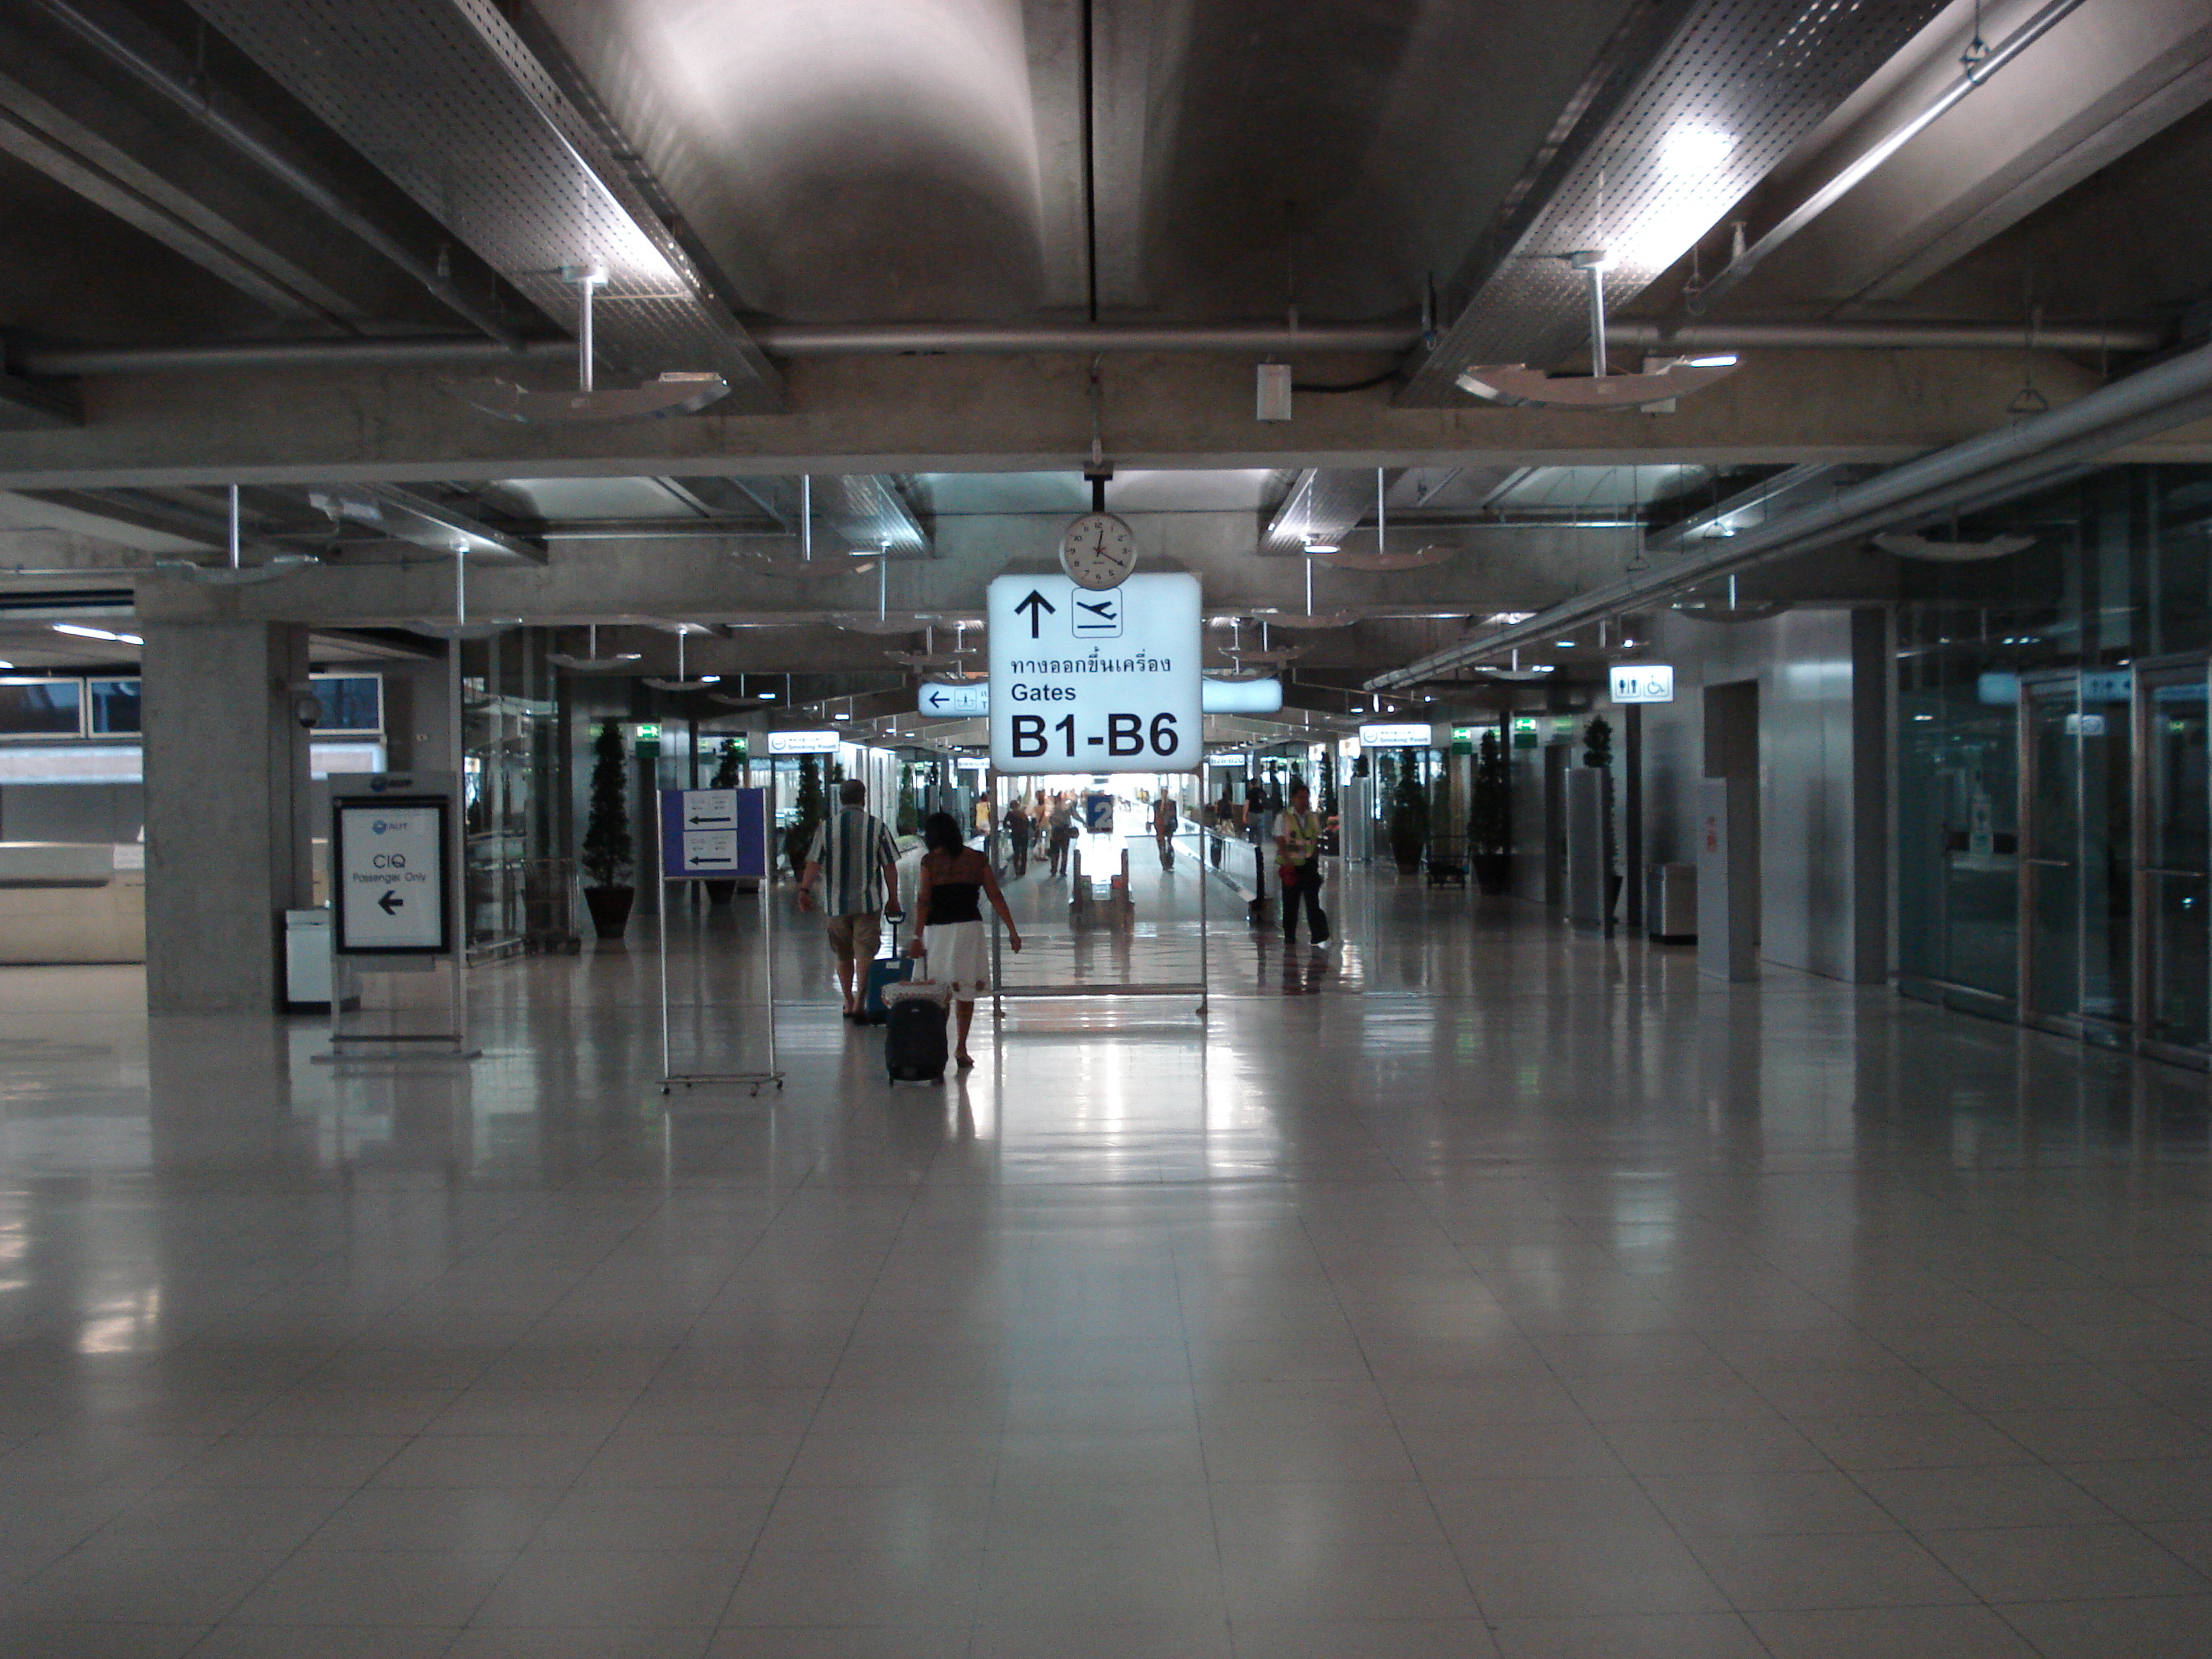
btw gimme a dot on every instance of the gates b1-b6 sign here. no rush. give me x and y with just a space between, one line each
1089 681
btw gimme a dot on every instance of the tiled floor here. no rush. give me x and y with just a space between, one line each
1477 1290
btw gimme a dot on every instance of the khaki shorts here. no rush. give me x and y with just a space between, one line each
860 934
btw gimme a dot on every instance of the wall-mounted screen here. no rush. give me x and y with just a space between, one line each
41 709
115 708
351 702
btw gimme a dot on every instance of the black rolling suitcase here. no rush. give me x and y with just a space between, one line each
914 1047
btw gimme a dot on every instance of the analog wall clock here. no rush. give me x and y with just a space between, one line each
1099 551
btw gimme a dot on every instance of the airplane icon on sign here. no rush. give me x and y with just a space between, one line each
1097 618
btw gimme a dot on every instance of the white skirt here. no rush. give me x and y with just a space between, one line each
959 956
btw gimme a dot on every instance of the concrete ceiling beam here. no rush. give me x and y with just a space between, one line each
998 415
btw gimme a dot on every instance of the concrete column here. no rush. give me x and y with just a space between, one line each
227 826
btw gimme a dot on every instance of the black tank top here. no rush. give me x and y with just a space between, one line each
954 901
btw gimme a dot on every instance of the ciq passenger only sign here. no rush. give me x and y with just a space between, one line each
1085 680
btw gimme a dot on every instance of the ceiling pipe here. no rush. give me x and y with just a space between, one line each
891 339
191 94
1981 470
1977 65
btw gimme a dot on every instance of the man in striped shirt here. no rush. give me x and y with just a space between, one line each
854 851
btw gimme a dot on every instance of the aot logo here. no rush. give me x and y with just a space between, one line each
377 827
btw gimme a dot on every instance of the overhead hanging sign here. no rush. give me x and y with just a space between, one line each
389 858
1388 735
944 702
1095 682
707 834
1260 696
1643 682
802 743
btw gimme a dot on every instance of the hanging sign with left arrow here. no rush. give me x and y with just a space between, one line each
713 834
388 863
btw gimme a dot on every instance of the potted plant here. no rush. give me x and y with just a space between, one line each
725 777
1597 752
1409 817
1329 807
607 851
1490 815
1447 853
807 816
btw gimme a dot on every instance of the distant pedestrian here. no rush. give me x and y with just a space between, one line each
1165 822
1062 832
1019 830
1298 863
948 921
855 855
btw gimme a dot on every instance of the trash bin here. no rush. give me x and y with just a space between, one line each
307 961
1670 903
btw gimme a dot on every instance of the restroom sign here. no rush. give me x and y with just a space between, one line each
1643 681
1085 681
388 860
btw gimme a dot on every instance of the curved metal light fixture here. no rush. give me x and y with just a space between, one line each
1952 552
236 574
461 628
591 658
1433 553
1518 384
680 683
680 393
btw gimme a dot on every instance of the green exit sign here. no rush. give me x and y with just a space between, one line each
1524 731
644 739
1463 740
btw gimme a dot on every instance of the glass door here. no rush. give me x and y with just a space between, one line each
2175 887
2077 971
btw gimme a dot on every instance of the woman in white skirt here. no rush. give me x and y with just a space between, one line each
948 921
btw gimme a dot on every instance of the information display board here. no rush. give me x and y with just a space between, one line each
713 834
1085 680
388 863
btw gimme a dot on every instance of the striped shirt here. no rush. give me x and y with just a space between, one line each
852 847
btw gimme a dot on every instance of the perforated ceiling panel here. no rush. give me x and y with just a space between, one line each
443 96
1738 85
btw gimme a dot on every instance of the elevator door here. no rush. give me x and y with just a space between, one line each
2174 888
2077 968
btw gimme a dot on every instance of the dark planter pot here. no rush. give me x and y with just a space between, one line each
1492 870
719 892
1408 855
609 909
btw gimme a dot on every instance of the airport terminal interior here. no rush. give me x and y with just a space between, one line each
1576 640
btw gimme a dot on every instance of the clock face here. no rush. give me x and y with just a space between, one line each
1099 551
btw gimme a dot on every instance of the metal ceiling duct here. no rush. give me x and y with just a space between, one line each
1654 166
1981 472
404 515
1322 506
444 97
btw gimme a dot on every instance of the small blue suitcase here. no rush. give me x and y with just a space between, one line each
884 973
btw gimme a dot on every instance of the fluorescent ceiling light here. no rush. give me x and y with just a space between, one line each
1507 618
765 696
4 666
96 634
1323 547
1713 360
1566 645
710 679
